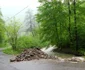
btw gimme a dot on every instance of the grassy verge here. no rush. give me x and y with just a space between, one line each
10 51
2 45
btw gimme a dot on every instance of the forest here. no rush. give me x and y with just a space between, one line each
57 22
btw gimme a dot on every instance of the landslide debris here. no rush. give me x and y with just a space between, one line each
31 54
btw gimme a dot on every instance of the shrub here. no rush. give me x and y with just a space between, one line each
30 42
9 50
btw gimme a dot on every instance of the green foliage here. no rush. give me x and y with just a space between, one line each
30 42
12 30
19 42
53 17
2 30
11 51
60 23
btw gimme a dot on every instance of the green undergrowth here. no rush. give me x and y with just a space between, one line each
10 51
2 45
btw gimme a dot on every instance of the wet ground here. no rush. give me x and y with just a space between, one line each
48 65
4 62
37 64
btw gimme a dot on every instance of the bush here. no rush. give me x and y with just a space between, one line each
30 42
10 51
2 45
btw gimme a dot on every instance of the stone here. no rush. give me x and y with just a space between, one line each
77 59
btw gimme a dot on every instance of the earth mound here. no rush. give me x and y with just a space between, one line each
31 54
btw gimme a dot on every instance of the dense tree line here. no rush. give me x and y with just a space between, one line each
62 23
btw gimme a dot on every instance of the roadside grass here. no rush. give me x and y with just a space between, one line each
10 51
2 45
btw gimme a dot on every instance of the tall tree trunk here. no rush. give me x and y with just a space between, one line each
76 34
69 27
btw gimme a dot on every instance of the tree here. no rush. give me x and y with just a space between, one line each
79 23
76 35
52 27
62 23
69 28
2 31
29 21
12 30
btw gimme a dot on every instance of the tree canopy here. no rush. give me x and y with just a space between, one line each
62 23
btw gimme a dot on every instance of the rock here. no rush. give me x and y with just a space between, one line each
77 59
11 60
61 59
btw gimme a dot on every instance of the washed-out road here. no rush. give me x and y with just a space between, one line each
37 64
